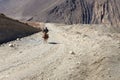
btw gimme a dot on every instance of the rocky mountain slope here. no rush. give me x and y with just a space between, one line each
25 9
11 29
87 11
65 11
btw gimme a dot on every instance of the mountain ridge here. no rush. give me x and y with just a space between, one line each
67 11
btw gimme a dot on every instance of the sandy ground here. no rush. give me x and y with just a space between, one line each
73 52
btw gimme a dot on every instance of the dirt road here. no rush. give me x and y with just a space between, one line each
73 52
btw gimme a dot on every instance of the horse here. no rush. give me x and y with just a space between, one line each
45 37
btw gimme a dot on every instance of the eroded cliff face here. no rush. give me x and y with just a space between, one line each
106 11
71 11
86 12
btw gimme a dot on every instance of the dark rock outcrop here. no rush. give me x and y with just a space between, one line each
12 29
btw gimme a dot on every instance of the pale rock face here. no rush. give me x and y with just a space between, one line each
86 12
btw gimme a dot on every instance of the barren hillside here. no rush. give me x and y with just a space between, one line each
73 52
11 29
25 9
87 11
64 11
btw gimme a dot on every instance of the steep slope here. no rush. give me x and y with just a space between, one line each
66 11
25 9
73 52
86 11
13 8
11 29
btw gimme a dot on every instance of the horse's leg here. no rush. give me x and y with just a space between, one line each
45 37
46 40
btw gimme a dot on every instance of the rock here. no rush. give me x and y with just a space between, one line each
78 63
71 52
2 45
11 45
18 39
20 52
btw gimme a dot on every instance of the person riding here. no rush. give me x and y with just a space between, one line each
45 34
45 30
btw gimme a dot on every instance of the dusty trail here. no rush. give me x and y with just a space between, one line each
72 53
30 55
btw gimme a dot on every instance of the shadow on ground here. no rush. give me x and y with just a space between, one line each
53 43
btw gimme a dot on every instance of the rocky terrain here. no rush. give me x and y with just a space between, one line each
85 46
73 52
86 11
64 11
12 29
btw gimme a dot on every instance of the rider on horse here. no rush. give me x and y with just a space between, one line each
45 35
